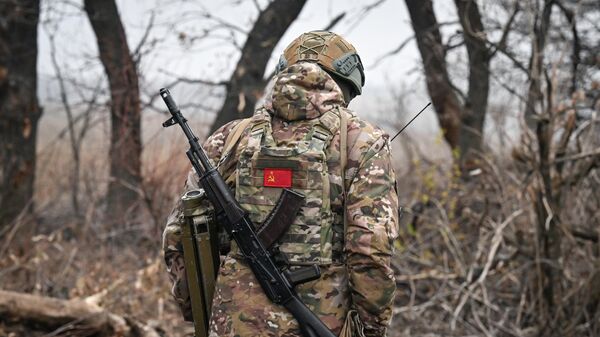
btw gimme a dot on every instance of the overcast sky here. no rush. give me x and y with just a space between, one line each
373 34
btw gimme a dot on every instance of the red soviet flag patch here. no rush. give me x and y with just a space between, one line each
277 177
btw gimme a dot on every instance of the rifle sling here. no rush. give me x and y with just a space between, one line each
281 217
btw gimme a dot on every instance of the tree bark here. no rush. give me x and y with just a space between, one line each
462 123
247 83
125 139
475 106
19 109
433 54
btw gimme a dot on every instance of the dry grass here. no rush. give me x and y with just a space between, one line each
53 253
467 262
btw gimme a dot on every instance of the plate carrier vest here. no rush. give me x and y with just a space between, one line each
312 238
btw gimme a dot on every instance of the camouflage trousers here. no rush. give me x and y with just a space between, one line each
241 309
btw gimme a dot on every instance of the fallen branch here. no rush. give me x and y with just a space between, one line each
578 156
58 316
593 237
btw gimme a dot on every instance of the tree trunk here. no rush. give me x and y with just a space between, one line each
475 106
247 84
548 236
125 138
462 123
536 64
19 109
429 42
540 116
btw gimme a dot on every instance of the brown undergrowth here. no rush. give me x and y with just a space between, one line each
57 253
470 258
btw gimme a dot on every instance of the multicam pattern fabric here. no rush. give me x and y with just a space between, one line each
309 239
241 309
362 279
300 93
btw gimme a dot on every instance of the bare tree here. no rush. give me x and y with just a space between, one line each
433 53
19 109
476 101
75 132
461 116
125 140
247 83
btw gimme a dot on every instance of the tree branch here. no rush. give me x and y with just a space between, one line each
335 21
575 56
392 52
137 55
501 44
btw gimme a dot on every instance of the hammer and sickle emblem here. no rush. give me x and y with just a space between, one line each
271 177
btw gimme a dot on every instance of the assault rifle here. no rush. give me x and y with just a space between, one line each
278 286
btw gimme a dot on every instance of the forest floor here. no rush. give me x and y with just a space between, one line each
471 257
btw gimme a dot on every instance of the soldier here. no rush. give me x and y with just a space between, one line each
303 137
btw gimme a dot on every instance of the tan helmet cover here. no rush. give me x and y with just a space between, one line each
329 50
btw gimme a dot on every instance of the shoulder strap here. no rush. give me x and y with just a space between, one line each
234 136
343 161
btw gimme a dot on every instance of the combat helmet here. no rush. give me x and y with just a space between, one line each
330 51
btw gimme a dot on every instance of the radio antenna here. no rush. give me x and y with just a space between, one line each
407 124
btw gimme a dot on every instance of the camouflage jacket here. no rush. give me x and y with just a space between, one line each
364 281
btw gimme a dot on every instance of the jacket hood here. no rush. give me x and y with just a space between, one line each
303 91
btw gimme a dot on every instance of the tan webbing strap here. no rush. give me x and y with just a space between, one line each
234 136
232 139
343 161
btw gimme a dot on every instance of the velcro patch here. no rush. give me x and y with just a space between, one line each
277 177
